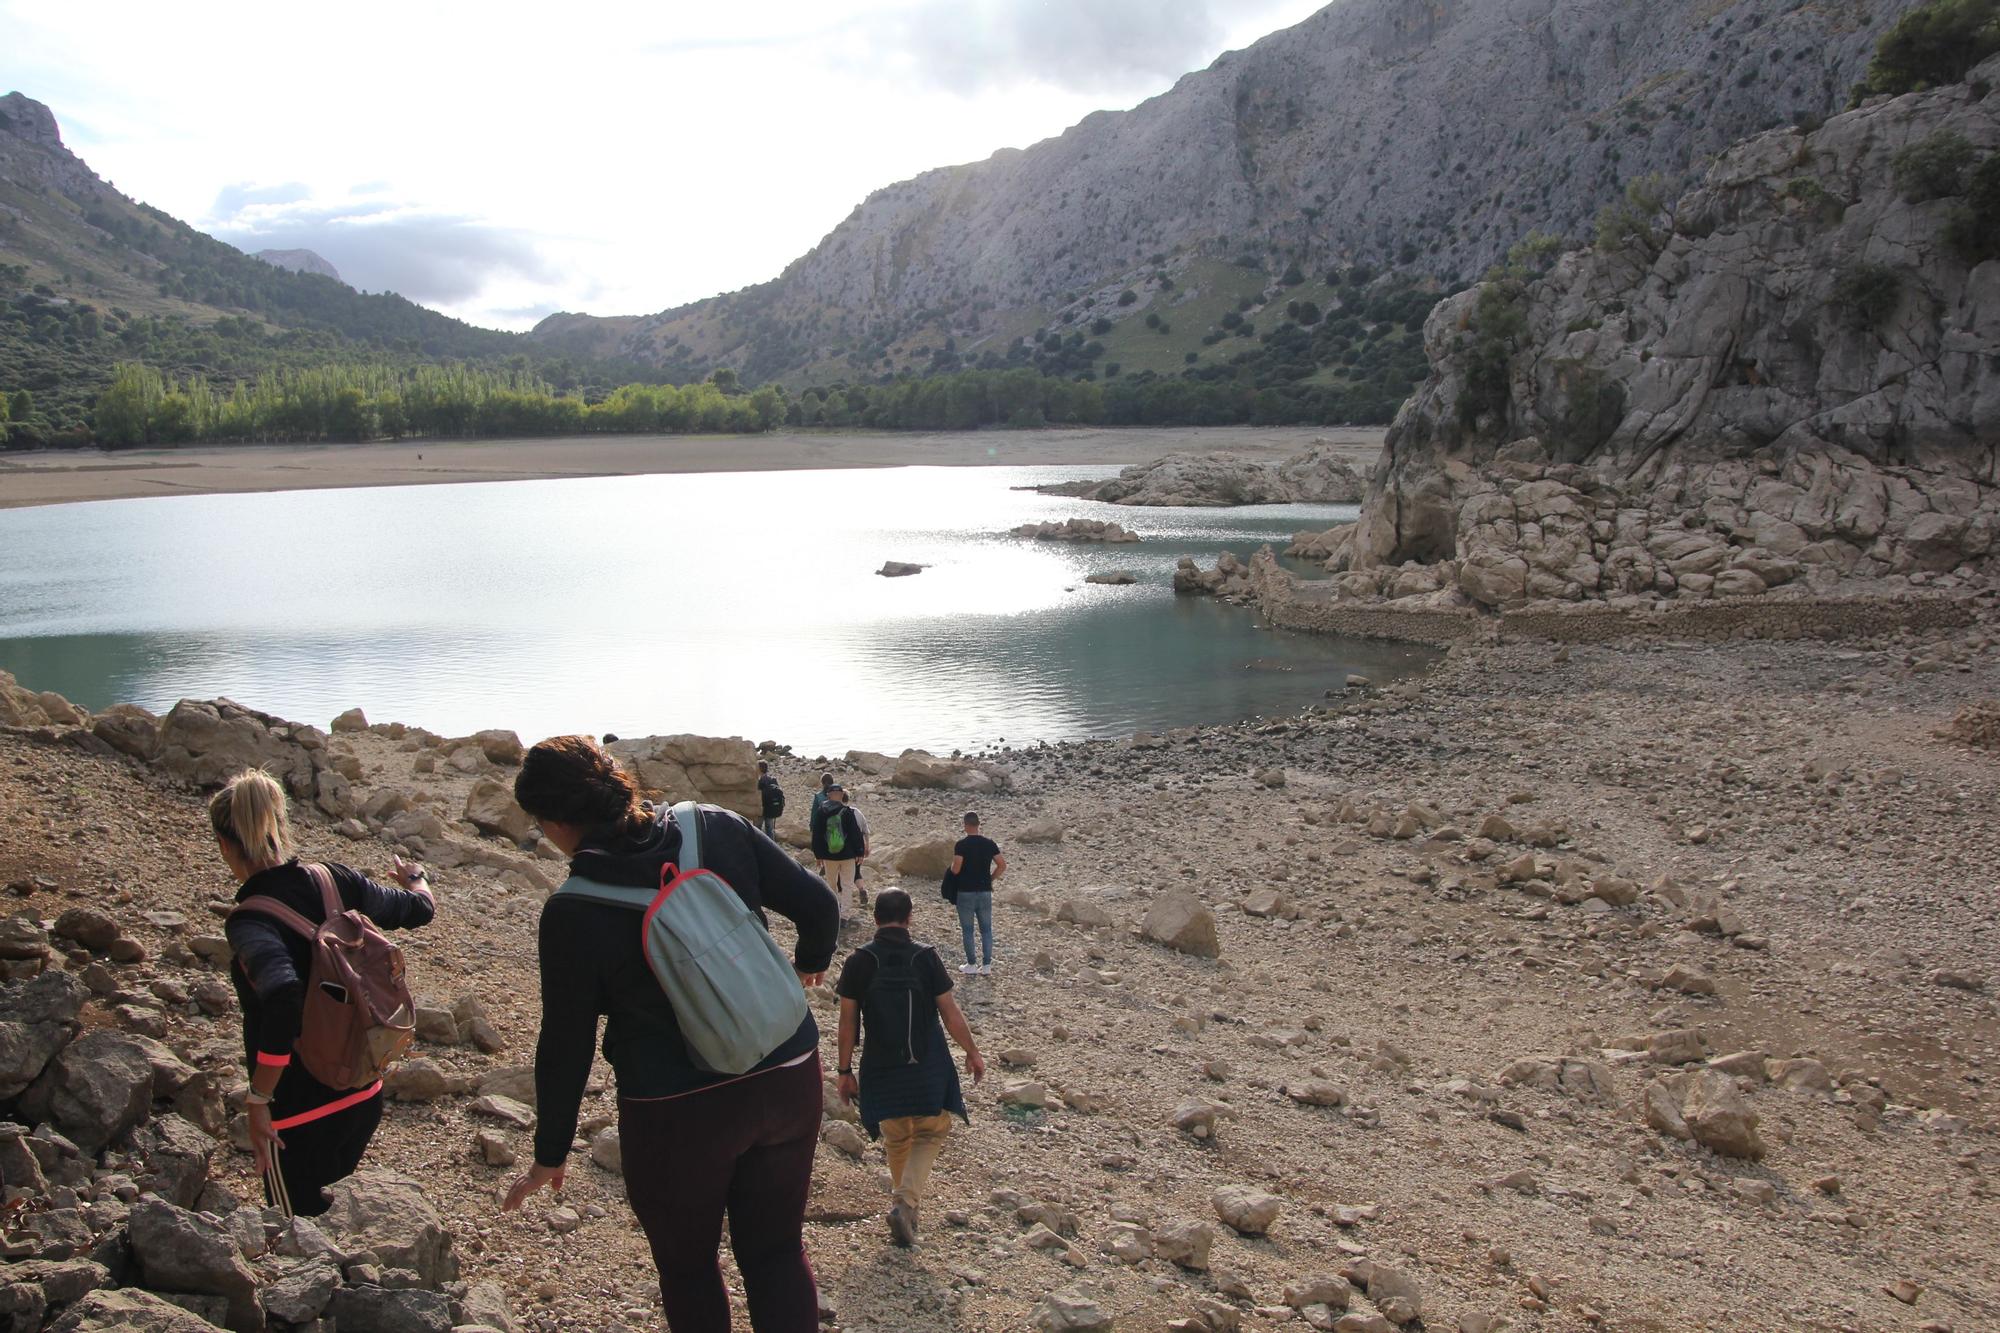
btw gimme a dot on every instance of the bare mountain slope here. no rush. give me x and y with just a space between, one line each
1385 132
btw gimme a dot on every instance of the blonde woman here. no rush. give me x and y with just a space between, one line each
304 1134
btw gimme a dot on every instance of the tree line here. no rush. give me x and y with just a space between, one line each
351 403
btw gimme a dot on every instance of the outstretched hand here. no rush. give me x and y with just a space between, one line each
538 1176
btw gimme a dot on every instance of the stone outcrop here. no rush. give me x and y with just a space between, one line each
921 770
1317 476
20 707
721 771
1077 530
1790 386
208 743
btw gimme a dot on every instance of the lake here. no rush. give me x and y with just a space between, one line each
720 603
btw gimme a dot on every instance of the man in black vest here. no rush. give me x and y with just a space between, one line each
895 999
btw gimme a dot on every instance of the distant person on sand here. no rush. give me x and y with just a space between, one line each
304 1134
696 1144
837 843
773 797
975 863
895 999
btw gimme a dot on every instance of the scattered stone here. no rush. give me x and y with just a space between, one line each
1182 923
1246 1210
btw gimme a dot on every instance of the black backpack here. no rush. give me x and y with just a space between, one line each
897 1012
774 799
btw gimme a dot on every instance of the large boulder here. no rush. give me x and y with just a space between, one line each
97 1088
381 1211
22 707
128 1310
719 770
501 747
925 860
183 1251
920 770
207 743
1183 923
37 1018
128 729
175 1154
1719 1117
490 807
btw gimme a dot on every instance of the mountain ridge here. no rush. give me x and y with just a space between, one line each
1427 137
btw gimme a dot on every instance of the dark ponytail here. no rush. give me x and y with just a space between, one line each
572 780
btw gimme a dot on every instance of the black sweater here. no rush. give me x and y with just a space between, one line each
272 963
593 964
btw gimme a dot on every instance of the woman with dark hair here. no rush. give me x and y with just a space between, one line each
696 1144
304 1134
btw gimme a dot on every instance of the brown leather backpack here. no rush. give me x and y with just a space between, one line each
359 1018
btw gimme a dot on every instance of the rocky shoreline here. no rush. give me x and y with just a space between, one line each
1556 983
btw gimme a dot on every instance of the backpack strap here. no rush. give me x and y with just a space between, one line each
285 915
615 895
329 892
687 817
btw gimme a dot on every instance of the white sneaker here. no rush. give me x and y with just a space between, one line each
970 969
986 969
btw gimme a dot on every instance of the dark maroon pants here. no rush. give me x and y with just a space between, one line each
745 1149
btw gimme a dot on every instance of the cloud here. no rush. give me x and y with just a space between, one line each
233 199
435 258
1083 46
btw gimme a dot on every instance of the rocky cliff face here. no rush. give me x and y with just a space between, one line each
299 261
1430 135
1794 383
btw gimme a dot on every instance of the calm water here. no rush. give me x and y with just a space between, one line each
728 604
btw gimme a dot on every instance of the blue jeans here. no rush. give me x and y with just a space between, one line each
976 907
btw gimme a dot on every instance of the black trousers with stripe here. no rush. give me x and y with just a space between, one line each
319 1153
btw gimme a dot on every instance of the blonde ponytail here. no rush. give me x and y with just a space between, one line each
250 812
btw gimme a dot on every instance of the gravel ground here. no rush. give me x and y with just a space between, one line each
1799 797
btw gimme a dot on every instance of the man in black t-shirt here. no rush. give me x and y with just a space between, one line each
895 998
975 863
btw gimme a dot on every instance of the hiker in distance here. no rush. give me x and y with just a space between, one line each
837 844
773 797
714 1048
976 863
895 998
311 1114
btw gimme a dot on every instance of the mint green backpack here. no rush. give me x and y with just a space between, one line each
734 994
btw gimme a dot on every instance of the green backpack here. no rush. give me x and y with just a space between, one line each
734 994
836 831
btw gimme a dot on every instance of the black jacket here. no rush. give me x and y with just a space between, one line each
773 796
272 963
594 965
850 831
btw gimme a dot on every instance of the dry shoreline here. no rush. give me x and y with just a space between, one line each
67 477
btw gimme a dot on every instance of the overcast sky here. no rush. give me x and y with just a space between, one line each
502 161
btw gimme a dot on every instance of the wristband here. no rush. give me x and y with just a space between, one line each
256 1098
845 1073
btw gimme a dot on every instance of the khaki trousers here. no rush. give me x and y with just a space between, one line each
912 1143
840 878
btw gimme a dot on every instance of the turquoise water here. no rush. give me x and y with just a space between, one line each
722 604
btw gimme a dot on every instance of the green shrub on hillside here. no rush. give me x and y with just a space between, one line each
1866 294
1933 169
1933 45
1499 320
1631 218
1974 227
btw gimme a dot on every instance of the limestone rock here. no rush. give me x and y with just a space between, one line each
926 860
1070 1312
1183 923
490 807
378 1210
177 1250
1719 1117
37 1018
917 769
128 1310
99 1086
1246 1210
207 743
715 769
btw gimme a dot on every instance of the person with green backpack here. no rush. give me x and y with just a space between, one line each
659 931
837 844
